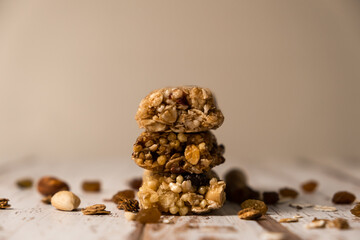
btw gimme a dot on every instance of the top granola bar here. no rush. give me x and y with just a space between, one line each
180 109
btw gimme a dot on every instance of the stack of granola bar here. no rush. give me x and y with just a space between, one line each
178 151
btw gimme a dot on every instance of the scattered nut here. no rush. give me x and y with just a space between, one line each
24 183
130 216
129 205
356 210
309 186
65 201
288 220
4 203
288 192
255 204
249 214
273 236
51 185
343 197
192 154
97 209
150 215
91 186
270 197
125 194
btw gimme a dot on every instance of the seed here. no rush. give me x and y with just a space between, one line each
179 179
202 190
25 183
65 201
343 197
203 203
176 188
255 204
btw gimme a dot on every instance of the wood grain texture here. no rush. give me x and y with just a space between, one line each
30 217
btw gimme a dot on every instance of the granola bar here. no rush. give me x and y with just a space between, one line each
181 109
177 152
181 194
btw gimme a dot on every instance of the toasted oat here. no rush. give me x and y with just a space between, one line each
4 203
356 210
97 209
249 214
325 208
255 204
288 220
129 205
300 205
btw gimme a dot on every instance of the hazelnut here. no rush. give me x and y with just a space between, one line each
51 185
65 201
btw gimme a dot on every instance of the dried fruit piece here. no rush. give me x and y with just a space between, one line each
4 203
339 223
24 183
135 183
121 195
47 199
309 186
249 214
325 208
91 186
255 204
150 215
343 197
288 192
270 197
288 220
356 210
97 209
51 185
130 205
317 223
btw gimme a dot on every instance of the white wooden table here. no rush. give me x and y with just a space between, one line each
29 218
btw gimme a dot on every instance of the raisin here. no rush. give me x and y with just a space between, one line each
91 186
150 215
197 180
135 183
288 192
343 197
309 186
270 197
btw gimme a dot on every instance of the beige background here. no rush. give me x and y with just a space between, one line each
286 73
